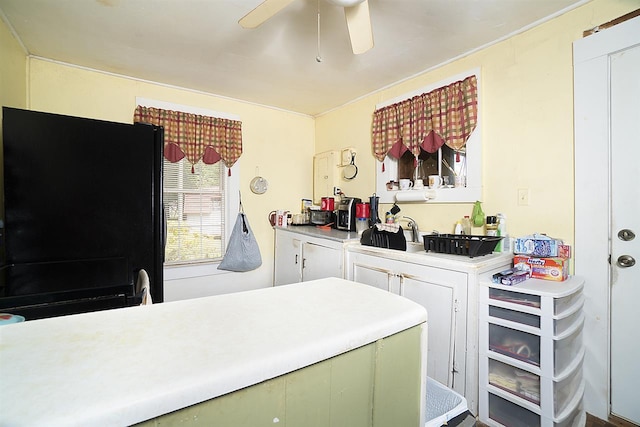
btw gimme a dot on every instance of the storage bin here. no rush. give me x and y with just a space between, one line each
566 389
516 344
532 354
573 419
566 349
510 414
515 381
515 297
561 325
515 316
564 303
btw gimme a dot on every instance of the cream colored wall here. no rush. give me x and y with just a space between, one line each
279 144
527 117
13 80
13 70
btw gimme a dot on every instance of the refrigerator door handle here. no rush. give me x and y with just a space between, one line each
164 232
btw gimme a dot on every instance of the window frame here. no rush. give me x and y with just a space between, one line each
468 194
231 195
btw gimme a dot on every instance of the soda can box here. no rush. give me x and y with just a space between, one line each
554 268
516 278
512 276
539 245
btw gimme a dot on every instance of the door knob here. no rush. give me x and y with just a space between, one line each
626 235
625 261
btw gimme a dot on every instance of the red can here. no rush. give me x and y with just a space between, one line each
327 204
362 210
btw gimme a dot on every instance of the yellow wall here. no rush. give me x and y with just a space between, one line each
13 70
13 79
280 145
527 118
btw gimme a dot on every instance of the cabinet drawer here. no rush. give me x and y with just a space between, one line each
514 297
527 385
515 316
515 381
565 390
525 347
506 413
560 326
566 349
516 344
574 418
510 414
565 303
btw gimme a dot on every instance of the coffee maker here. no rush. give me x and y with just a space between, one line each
346 213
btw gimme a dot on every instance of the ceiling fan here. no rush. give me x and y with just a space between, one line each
356 13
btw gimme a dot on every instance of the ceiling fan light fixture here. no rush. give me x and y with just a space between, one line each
345 3
356 13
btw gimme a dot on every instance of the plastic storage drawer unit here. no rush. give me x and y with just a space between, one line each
531 353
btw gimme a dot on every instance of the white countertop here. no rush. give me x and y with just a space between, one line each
438 260
323 233
540 287
123 366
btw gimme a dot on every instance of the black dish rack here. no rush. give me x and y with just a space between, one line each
460 244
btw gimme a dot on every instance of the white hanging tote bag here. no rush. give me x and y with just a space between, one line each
243 253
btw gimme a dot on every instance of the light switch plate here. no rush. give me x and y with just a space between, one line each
523 197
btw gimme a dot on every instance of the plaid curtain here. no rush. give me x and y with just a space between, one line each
447 115
195 137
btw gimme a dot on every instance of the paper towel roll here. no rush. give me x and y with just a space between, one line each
413 196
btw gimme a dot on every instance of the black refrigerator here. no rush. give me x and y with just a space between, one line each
82 213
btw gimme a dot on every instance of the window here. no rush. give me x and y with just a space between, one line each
465 162
194 207
200 207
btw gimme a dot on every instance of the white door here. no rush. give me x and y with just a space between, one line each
607 148
288 259
371 274
320 261
439 300
625 223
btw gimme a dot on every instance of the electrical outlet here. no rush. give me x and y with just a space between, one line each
523 197
336 191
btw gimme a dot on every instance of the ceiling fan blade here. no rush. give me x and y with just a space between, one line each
359 24
263 12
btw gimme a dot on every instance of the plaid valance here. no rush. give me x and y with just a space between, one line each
195 137
447 115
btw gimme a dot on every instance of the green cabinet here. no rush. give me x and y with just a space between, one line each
378 385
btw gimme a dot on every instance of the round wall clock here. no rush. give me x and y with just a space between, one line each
259 185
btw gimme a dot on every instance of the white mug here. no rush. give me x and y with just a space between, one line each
435 181
281 218
418 184
405 184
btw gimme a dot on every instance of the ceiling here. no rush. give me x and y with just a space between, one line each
198 44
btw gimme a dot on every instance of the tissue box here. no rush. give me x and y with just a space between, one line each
555 268
539 245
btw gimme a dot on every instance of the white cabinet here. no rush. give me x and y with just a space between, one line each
446 285
531 353
441 292
305 253
326 174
